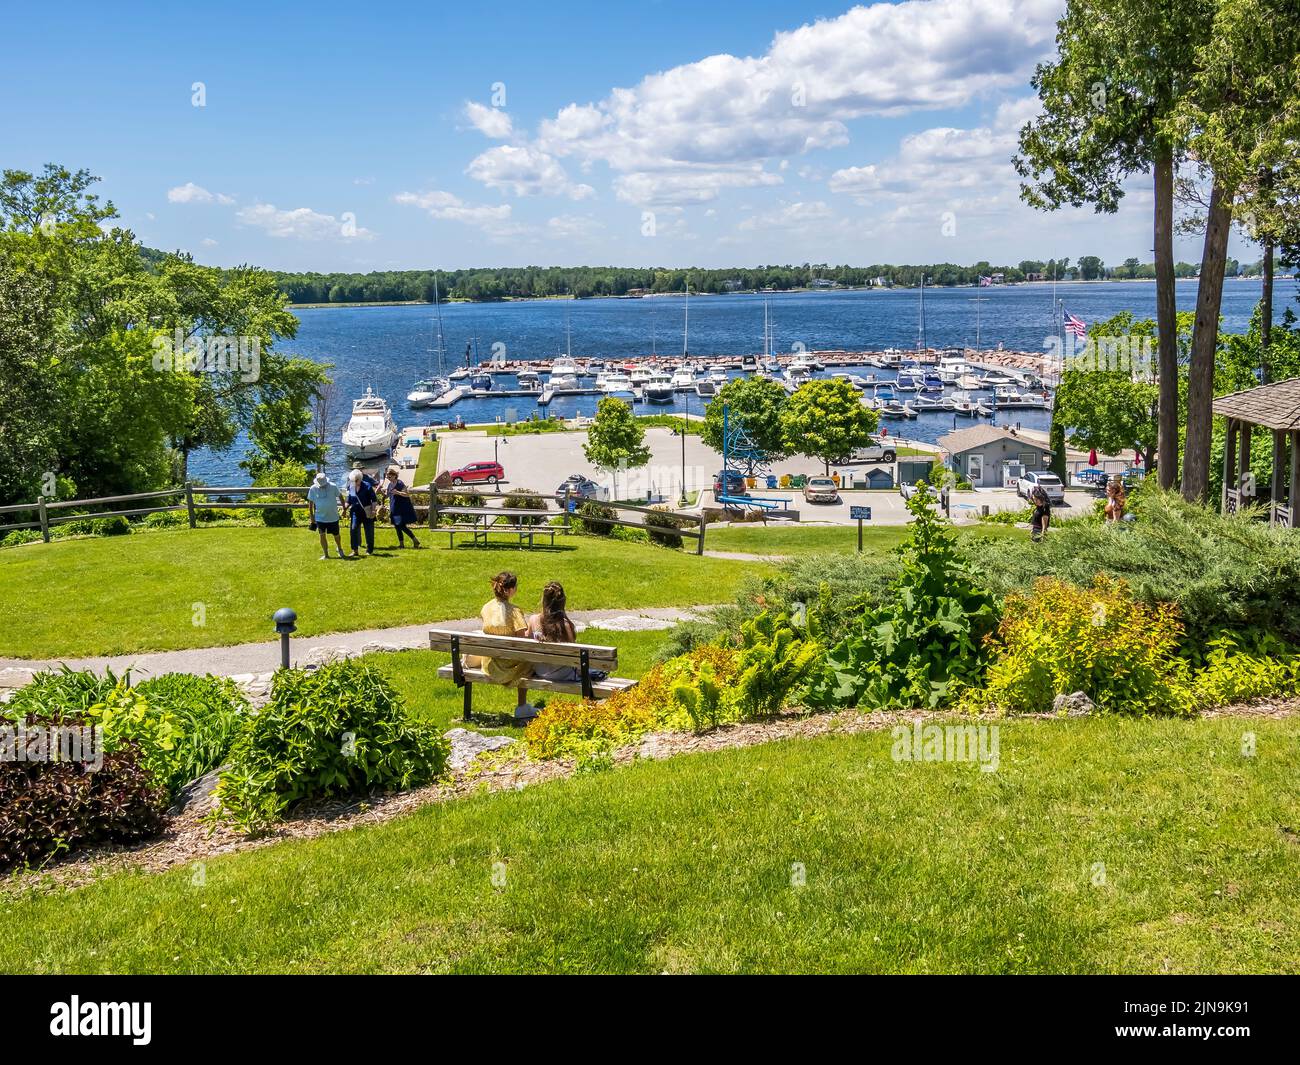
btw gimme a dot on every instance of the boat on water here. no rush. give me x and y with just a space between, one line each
983 409
970 381
961 403
481 382
639 375
885 394
718 375
683 378
370 432
528 379
923 404
851 378
994 379
894 409
705 388
425 391
951 367
748 364
659 389
618 385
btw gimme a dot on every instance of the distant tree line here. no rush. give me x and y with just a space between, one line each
532 282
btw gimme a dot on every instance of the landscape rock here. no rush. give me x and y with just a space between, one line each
467 745
1076 704
197 798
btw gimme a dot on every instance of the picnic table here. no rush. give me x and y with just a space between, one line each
482 522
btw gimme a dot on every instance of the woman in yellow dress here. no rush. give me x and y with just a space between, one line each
502 618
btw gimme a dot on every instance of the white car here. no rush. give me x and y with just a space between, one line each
909 490
1048 482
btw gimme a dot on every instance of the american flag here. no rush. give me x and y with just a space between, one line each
985 282
1074 325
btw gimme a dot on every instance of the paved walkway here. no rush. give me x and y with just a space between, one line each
245 658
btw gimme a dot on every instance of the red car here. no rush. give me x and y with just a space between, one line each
488 472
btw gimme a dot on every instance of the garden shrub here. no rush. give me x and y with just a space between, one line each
1224 572
48 807
166 519
339 730
1063 638
59 695
525 499
282 475
773 660
209 712
1234 674
596 518
664 527
924 643
458 499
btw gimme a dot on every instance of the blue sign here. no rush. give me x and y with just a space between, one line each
860 513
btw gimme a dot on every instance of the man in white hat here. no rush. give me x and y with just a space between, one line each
323 499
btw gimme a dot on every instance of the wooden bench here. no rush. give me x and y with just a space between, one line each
581 656
482 532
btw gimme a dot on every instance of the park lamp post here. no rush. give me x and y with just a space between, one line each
284 624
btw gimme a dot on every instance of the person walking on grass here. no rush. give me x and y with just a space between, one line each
1042 516
363 505
401 511
502 618
323 498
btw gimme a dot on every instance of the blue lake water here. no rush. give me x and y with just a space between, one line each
388 348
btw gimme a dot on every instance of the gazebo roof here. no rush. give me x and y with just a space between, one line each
1272 406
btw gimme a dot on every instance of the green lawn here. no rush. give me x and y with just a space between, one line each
786 539
427 468
116 595
413 673
1100 845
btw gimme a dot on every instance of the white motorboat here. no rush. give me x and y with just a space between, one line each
618 384
851 378
683 378
423 393
659 389
961 403
970 381
803 364
705 388
562 381
992 380
528 380
370 432
640 375
718 375
922 404
951 367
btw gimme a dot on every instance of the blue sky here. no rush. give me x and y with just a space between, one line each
362 137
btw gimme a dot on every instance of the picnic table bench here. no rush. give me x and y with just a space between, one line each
484 521
584 658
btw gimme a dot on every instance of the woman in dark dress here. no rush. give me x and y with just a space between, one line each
1042 516
401 511
363 505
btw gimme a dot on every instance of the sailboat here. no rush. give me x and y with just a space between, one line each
564 371
424 392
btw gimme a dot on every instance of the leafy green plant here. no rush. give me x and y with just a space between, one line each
338 730
701 697
663 528
774 659
923 644
525 499
1098 640
596 518
1234 674
209 712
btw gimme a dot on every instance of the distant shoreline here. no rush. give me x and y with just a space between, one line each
756 292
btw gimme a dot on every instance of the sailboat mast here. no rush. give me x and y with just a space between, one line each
925 347
686 323
437 305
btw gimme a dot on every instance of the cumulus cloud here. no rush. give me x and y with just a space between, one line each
790 216
525 171
301 223
192 193
490 121
726 113
572 227
492 219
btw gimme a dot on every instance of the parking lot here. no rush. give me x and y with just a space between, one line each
540 462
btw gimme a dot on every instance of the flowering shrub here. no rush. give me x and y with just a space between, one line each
1062 638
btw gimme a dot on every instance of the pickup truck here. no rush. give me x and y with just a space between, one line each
873 452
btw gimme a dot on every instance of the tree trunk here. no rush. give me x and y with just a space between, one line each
1166 322
1205 342
1266 313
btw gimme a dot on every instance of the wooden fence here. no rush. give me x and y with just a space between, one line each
189 499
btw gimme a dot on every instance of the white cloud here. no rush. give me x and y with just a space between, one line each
572 227
301 223
208 242
525 171
490 121
493 220
724 113
192 193
790 216
687 185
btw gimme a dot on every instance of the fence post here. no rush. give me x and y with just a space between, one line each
699 544
567 496
189 503
433 506
45 518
